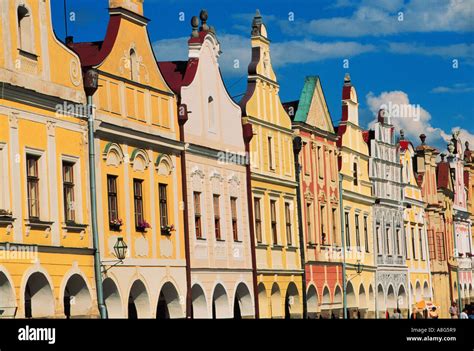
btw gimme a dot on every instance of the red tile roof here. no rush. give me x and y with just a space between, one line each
94 53
178 73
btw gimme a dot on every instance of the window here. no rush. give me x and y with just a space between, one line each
273 221
309 222
68 191
413 246
307 158
422 246
440 246
233 210
271 161
348 234
133 65
24 29
407 252
163 198
379 240
138 201
333 171
334 226
357 232
399 244
289 241
33 186
112 198
431 244
320 162
323 225
212 115
366 235
258 219
197 214
355 174
217 217
388 241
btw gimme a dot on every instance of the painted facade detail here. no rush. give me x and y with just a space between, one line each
46 266
219 233
273 183
417 253
356 209
320 200
138 170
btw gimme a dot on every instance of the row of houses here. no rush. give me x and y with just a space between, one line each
220 209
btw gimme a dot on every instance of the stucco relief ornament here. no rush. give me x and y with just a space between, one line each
75 72
451 147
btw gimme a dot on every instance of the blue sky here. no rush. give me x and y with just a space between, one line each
399 51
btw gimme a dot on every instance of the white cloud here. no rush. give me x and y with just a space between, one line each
237 47
381 18
458 88
448 51
413 127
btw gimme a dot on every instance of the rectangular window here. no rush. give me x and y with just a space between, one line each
320 162
348 233
112 198
309 222
379 240
413 241
289 241
32 175
366 235
163 198
307 158
233 210
334 226
388 241
322 217
273 222
399 244
431 244
258 219
197 214
271 162
68 191
217 216
138 200
357 232
440 246
355 174
331 165
422 246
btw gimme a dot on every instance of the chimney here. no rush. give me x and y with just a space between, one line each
135 6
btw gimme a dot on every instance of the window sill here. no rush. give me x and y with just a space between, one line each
38 224
201 239
220 240
261 246
28 54
277 247
292 248
6 219
74 227
238 241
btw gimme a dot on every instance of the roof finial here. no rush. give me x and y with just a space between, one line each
256 23
422 138
443 155
402 134
203 16
347 79
195 25
467 145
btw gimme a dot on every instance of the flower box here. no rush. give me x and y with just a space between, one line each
167 229
115 224
143 226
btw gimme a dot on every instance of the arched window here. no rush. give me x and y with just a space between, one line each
24 29
133 65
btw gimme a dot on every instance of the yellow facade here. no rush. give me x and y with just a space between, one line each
138 171
357 203
279 272
46 258
418 262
